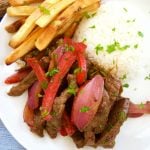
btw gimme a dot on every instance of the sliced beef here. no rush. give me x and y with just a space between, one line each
117 117
78 139
23 85
54 125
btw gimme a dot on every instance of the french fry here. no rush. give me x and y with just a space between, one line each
20 10
61 21
29 24
23 2
25 47
44 20
12 28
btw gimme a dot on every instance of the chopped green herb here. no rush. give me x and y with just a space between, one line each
141 106
88 15
77 70
140 34
44 10
116 46
52 72
53 113
44 85
84 40
98 48
44 113
136 46
92 15
39 95
113 29
93 27
125 9
122 116
123 77
72 90
84 109
130 21
69 48
147 77
126 85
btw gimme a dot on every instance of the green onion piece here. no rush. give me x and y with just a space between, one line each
52 72
126 85
140 34
84 109
98 48
44 10
44 85
93 27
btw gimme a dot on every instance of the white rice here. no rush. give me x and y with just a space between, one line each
109 16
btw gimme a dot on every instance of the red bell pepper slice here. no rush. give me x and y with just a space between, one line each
82 63
64 66
17 77
67 126
40 73
87 101
33 95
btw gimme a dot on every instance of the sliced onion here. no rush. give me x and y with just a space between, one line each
89 98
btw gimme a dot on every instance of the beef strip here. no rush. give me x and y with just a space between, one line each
23 85
117 117
78 139
28 80
54 125
99 122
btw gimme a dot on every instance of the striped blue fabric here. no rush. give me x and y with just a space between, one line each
7 142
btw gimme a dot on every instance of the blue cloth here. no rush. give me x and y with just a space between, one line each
7 142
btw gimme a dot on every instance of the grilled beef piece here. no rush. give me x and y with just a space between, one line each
54 125
28 80
78 139
113 87
38 124
117 117
23 85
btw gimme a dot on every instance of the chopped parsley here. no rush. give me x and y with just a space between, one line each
140 34
44 85
77 70
116 46
84 109
136 46
88 15
93 27
44 10
44 113
147 77
98 48
131 21
123 77
69 48
141 106
113 29
122 116
84 40
125 9
71 90
126 85
52 72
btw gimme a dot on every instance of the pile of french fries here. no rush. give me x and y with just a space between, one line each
39 24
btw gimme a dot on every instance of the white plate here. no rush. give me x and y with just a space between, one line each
134 134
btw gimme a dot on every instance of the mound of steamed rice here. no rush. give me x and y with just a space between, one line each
112 22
